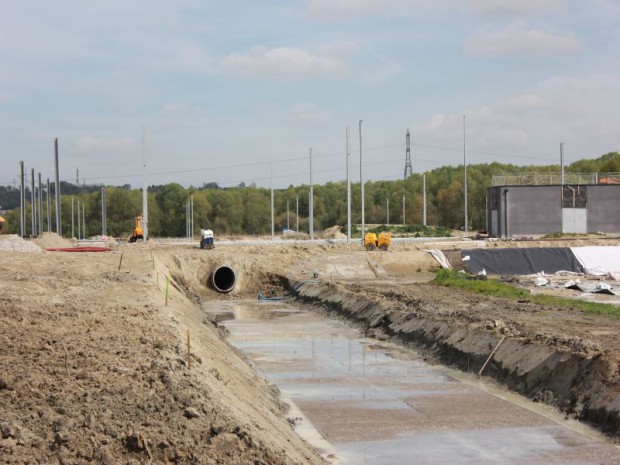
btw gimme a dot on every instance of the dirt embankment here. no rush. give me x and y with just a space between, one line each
94 367
560 357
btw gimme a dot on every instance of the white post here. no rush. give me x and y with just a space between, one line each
40 205
424 199
348 143
288 222
83 220
21 199
145 205
562 160
33 208
72 219
465 177
403 210
297 212
191 233
311 203
387 206
362 180
273 222
57 191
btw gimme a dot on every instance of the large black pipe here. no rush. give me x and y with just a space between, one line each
223 279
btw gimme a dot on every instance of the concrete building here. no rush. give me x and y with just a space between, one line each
546 209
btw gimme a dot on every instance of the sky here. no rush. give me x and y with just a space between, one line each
243 90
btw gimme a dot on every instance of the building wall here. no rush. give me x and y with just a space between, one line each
604 208
538 209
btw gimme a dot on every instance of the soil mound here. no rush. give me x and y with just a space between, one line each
49 240
14 243
333 233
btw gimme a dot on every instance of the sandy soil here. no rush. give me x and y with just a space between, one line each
94 364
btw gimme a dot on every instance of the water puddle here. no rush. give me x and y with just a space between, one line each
363 402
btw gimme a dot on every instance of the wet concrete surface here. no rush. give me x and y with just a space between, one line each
363 402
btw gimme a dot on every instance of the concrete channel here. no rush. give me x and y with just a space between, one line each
365 402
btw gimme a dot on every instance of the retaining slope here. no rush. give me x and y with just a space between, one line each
582 385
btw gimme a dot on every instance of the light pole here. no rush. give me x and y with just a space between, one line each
348 143
311 201
362 179
465 176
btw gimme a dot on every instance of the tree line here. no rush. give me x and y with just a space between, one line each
246 209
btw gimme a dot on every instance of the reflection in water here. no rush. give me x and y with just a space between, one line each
377 403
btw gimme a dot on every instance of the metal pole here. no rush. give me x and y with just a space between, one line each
348 136
424 199
22 226
49 206
311 201
387 202
287 217
145 204
297 212
562 160
40 205
403 210
191 232
187 219
72 219
33 209
465 176
83 221
273 223
57 191
78 221
362 179
103 213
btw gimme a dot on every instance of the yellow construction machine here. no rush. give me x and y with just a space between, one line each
381 242
138 232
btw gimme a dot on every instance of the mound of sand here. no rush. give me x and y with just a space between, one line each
49 240
14 243
333 233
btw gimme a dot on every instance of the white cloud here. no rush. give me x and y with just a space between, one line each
511 7
282 61
580 111
517 39
343 9
348 9
308 113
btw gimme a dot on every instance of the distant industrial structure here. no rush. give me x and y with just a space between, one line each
539 203
408 155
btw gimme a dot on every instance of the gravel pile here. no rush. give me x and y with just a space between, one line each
14 243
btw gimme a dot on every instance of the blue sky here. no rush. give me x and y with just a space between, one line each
224 89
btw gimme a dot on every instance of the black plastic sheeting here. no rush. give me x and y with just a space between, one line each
522 261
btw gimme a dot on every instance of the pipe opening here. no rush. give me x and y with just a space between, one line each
223 279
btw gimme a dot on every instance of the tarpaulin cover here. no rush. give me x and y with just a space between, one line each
78 249
522 261
598 260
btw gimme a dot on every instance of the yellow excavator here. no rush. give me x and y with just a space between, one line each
138 232
1 224
381 242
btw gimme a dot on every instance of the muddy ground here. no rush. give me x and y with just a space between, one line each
94 364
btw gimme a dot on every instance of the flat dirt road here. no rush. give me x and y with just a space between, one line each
95 364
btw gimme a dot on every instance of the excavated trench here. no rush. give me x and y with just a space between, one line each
582 385
579 382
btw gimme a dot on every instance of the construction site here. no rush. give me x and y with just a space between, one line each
300 352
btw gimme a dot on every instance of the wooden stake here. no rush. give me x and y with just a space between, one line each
189 358
167 289
120 262
491 356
